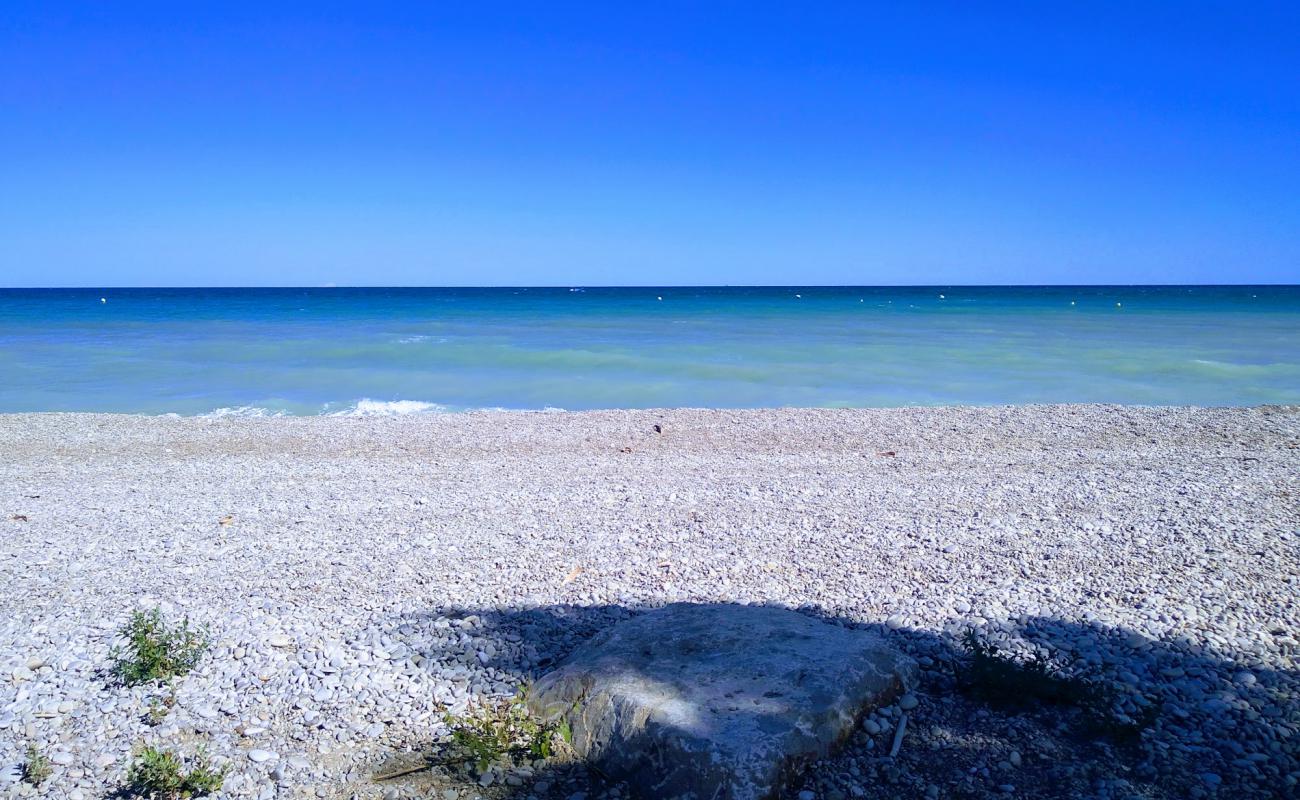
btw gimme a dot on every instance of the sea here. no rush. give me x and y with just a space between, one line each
377 351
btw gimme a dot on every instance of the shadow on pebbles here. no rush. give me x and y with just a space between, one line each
1213 726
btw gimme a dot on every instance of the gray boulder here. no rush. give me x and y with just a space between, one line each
715 702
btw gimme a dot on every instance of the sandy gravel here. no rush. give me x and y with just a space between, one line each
362 575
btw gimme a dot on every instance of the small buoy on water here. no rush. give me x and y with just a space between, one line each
660 297
941 297
103 299
1071 302
798 295
1117 305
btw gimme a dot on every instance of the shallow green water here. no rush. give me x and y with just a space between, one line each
311 351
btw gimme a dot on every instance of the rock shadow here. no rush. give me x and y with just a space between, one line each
1215 724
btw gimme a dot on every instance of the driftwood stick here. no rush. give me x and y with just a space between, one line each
898 735
430 762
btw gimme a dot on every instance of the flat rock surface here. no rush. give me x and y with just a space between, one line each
718 700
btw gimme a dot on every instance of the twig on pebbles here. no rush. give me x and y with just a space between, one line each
898 735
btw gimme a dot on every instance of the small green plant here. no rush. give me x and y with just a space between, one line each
504 730
36 767
162 775
160 707
157 650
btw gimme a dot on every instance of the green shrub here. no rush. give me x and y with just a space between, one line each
36 767
161 774
503 730
156 650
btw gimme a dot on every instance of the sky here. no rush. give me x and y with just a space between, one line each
307 144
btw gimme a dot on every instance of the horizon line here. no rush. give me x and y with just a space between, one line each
105 287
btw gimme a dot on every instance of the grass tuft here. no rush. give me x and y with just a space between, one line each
157 650
162 775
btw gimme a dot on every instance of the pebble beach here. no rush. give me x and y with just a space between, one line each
361 577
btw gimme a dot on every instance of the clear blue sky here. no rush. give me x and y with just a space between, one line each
551 143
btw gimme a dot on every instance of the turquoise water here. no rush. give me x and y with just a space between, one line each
313 351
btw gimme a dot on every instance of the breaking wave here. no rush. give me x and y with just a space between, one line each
387 408
242 411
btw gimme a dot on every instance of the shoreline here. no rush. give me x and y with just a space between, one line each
375 572
431 409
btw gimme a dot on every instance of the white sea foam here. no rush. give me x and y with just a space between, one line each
499 409
242 411
366 407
